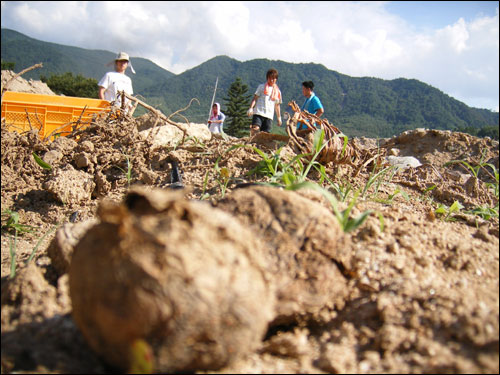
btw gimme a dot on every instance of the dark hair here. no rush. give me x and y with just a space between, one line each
273 73
308 84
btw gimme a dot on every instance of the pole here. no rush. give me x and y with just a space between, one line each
213 98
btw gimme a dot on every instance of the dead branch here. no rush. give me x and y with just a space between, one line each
161 116
77 123
336 150
56 131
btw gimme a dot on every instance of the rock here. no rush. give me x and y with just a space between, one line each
70 186
403 161
86 146
64 145
394 151
169 135
82 160
52 157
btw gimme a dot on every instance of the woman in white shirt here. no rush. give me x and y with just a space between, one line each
266 101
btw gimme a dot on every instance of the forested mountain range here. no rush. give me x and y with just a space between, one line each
58 59
364 106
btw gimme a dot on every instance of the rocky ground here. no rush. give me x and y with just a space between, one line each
419 278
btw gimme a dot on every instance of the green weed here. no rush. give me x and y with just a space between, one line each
12 222
376 178
448 211
296 170
128 172
484 212
12 252
492 185
204 194
469 167
222 177
342 190
33 252
391 197
40 162
347 223
197 142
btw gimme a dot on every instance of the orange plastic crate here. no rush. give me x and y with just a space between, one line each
52 114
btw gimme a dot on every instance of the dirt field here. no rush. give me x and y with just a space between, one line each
411 290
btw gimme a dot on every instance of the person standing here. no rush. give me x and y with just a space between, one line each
265 102
216 121
312 103
113 82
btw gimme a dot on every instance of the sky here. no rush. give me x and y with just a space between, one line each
450 45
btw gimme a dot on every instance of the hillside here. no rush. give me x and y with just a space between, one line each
359 106
58 59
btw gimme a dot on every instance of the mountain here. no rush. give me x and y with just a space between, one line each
359 106
58 59
364 106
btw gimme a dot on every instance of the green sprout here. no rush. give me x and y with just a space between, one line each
141 358
128 172
40 162
347 223
448 211
12 223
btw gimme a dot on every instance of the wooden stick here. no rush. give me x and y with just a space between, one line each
159 114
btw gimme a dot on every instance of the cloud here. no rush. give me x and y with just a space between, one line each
461 60
353 38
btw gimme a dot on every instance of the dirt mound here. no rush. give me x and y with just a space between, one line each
413 289
19 84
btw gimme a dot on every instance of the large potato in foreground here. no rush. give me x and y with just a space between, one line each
182 276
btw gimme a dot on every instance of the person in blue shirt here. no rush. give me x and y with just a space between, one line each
312 104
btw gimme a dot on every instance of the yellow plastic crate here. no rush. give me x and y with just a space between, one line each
53 115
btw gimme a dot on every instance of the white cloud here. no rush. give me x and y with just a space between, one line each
353 38
232 22
455 36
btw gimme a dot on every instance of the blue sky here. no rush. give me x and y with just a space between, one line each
452 45
438 14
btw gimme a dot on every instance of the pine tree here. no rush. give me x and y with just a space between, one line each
237 103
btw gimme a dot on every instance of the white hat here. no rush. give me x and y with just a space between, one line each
123 56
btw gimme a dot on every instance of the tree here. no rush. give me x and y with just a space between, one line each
488 131
69 85
7 65
237 103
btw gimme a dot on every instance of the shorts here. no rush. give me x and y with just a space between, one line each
263 123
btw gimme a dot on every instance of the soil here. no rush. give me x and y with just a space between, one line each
409 291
